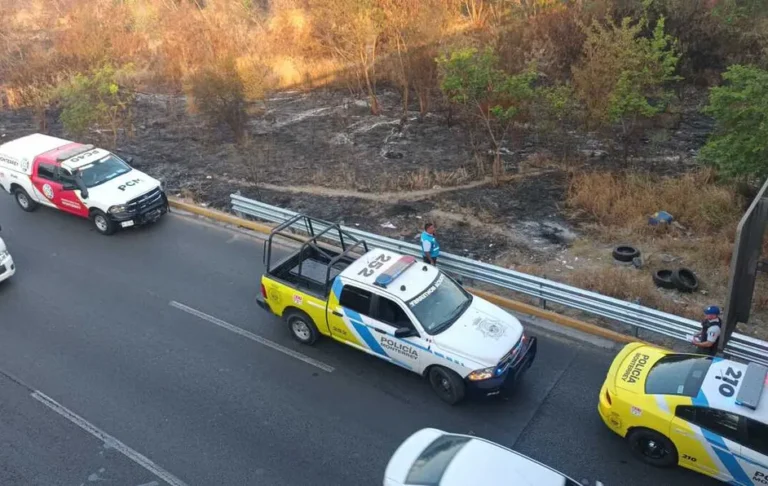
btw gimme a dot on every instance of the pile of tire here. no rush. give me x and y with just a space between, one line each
682 279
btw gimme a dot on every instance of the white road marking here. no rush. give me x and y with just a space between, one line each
108 440
252 336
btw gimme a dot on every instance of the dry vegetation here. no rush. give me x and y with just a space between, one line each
227 55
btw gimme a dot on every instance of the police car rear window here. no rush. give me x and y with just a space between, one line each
677 375
429 467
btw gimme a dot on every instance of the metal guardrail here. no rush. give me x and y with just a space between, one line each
635 315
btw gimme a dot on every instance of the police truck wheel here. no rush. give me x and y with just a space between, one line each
302 328
102 223
446 384
652 447
24 201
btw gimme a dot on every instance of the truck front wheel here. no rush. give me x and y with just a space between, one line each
23 200
447 384
103 224
302 328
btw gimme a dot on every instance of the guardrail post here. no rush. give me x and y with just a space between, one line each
542 300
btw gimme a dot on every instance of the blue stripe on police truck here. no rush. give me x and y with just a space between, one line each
721 449
357 321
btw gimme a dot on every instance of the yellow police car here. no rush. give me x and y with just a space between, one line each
704 413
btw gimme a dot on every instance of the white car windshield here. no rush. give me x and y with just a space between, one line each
102 170
440 305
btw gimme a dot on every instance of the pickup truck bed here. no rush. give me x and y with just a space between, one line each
308 270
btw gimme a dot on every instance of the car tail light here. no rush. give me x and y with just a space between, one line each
608 397
264 291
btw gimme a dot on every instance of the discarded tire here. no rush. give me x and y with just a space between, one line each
685 280
625 253
663 279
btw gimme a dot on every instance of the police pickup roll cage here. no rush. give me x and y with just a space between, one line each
311 249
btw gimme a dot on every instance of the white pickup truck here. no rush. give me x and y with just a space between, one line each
7 267
80 179
395 308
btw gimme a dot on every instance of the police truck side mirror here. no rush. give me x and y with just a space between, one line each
404 332
81 185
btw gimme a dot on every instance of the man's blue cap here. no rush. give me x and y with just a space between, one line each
712 309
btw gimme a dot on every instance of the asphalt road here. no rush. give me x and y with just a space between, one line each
111 374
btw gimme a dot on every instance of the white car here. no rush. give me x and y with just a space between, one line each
7 268
434 457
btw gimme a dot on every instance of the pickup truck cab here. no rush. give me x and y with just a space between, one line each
7 267
79 179
395 308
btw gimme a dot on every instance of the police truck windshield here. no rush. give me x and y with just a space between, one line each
102 171
440 304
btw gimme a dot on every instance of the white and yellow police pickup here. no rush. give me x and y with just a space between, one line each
395 308
89 182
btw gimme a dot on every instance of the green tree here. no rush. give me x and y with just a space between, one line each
558 107
623 78
497 99
98 98
739 144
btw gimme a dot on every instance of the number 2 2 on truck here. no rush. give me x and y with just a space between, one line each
395 308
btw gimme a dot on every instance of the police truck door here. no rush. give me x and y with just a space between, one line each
387 316
755 452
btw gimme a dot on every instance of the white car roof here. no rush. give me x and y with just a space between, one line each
31 146
474 461
416 278
714 391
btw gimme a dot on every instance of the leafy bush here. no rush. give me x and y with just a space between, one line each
98 98
497 99
218 94
623 76
739 145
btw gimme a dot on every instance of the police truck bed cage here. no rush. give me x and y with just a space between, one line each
314 266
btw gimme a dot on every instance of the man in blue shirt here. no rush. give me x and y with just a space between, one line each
430 248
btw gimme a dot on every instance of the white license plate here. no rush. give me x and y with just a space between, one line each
126 224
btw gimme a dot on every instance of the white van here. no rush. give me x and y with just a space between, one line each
80 179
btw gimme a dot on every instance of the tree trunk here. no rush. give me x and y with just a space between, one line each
498 167
423 95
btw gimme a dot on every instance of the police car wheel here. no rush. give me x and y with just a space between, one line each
102 223
446 384
24 201
302 328
652 447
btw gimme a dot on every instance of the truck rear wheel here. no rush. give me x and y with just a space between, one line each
446 384
102 223
302 328
23 200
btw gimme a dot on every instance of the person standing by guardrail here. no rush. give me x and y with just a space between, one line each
430 248
711 327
